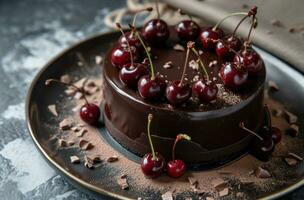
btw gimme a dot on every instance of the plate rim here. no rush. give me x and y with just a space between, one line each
87 185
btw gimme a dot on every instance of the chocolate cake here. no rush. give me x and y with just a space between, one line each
213 125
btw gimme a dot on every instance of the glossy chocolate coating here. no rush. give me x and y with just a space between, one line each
214 128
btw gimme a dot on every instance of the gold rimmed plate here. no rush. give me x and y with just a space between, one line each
41 126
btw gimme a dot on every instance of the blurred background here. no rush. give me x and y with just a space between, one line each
32 32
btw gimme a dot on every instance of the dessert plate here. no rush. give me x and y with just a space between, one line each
80 61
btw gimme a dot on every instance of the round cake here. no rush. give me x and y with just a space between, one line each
213 127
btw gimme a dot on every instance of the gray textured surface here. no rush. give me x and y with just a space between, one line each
31 33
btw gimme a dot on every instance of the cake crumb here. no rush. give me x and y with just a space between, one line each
112 159
193 65
276 23
88 162
98 60
293 130
122 181
291 161
273 86
292 118
53 110
62 143
65 124
168 65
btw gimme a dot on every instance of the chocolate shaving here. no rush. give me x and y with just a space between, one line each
213 63
112 159
292 30
292 118
81 132
70 92
245 6
65 78
80 84
167 196
82 143
195 78
293 130
75 128
219 184
194 65
278 112
75 159
122 181
88 162
291 161
87 146
65 124
261 173
200 52
224 192
178 47
273 86
62 143
168 65
192 181
53 110
78 95
209 198
70 143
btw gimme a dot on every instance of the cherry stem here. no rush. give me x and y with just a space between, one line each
242 126
149 9
49 81
253 24
178 138
182 13
157 9
150 117
268 115
201 62
235 52
129 46
238 25
231 15
185 67
147 52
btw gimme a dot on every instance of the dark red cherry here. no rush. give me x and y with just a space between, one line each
151 89
130 74
152 168
176 168
177 93
90 113
232 76
262 149
155 31
187 30
251 60
205 92
224 45
276 134
131 38
209 37
121 56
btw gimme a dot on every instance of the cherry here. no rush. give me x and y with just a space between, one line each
177 168
89 112
209 37
205 91
251 61
224 46
152 164
151 89
130 74
261 147
155 31
178 92
130 36
187 30
121 56
232 76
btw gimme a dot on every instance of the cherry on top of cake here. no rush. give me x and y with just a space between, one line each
162 66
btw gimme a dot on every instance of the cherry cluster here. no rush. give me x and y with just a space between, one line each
153 164
240 60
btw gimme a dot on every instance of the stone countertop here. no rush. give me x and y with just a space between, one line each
31 33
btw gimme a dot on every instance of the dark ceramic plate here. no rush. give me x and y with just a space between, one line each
291 92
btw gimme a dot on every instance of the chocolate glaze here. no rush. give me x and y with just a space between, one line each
213 128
